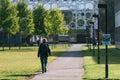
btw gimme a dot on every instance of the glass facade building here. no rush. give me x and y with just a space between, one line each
117 23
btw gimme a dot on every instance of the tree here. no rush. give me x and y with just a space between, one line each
54 22
25 20
39 15
8 15
27 25
8 18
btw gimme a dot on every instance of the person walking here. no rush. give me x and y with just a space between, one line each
43 53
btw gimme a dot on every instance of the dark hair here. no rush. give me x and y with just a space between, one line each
44 40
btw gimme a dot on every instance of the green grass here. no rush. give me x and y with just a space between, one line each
21 64
97 71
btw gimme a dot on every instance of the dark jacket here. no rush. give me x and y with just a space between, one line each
44 50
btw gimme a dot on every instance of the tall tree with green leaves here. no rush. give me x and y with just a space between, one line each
25 19
39 15
8 18
54 22
8 15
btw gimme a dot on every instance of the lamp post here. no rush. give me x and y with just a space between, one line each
93 40
106 64
2 35
97 16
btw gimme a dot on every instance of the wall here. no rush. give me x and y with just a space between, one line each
117 23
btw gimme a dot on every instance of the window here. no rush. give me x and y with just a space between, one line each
31 0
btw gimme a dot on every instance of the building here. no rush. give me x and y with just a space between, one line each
117 23
81 12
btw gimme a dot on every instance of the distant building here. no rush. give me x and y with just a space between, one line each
77 13
117 23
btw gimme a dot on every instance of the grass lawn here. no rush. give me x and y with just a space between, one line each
20 64
97 71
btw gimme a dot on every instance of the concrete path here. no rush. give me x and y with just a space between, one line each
67 67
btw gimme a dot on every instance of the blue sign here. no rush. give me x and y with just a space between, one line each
106 39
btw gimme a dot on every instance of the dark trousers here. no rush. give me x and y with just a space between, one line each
43 63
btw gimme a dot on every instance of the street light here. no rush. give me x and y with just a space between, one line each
93 40
106 64
97 16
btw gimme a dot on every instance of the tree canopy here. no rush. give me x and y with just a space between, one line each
54 22
26 17
8 17
39 14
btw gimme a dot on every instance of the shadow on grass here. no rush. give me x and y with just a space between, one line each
67 54
16 76
16 49
74 53
113 55
20 75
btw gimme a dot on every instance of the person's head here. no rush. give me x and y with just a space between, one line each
44 40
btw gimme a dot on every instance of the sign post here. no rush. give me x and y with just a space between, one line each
106 42
106 39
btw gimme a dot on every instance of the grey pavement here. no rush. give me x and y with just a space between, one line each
69 66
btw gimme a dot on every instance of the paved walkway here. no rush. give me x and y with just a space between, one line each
67 67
